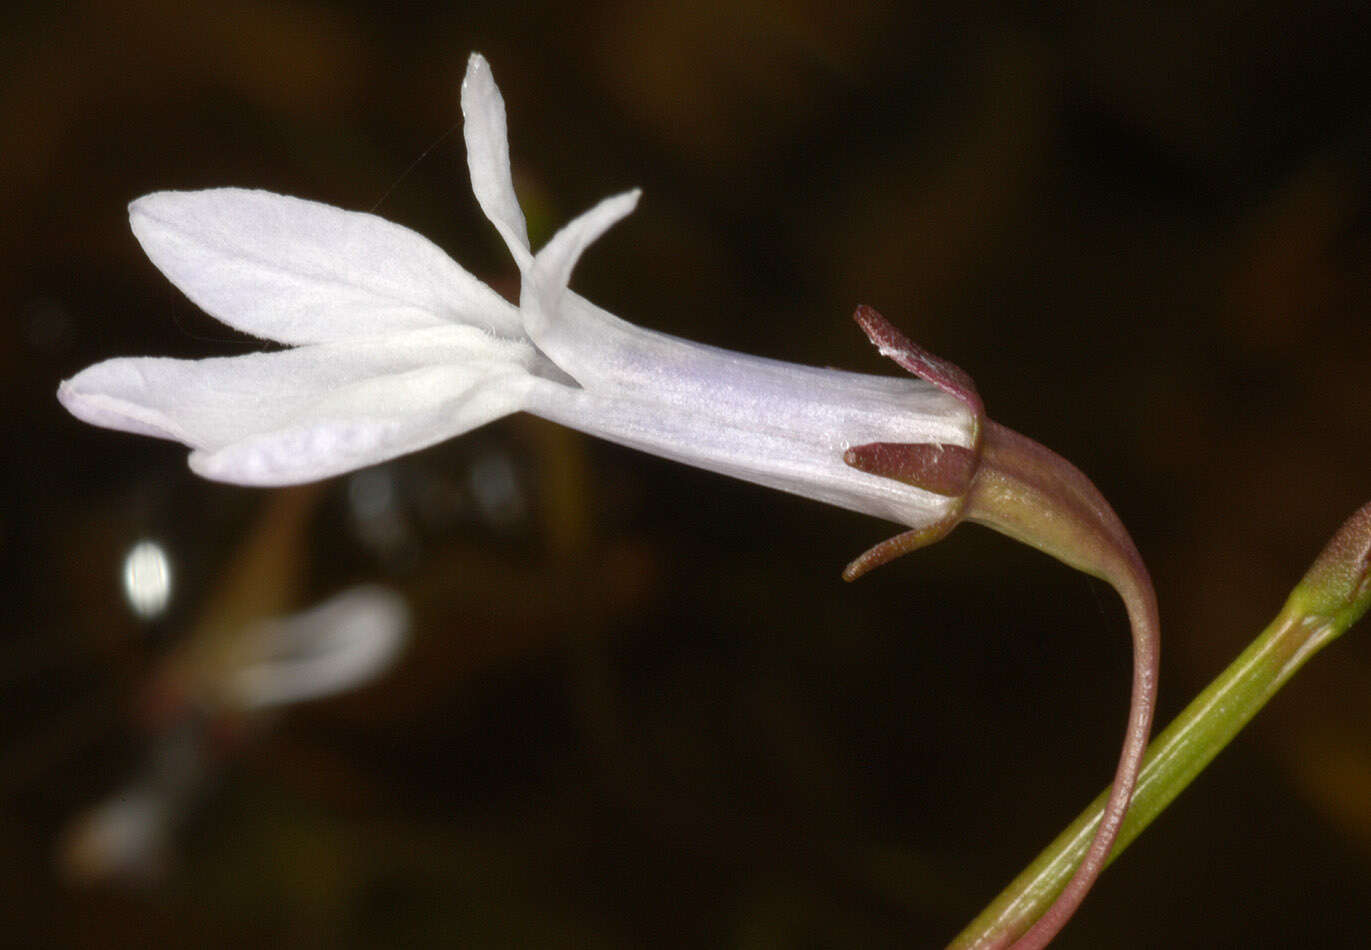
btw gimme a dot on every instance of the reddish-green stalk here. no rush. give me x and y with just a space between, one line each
1333 595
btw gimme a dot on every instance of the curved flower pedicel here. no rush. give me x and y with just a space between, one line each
1026 491
394 347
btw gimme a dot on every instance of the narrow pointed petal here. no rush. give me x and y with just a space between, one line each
307 413
487 138
298 271
545 287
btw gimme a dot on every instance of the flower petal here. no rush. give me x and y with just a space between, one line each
487 138
342 643
311 412
299 271
570 339
554 263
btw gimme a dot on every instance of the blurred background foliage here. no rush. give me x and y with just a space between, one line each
639 707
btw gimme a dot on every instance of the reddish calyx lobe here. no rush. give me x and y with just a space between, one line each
1024 490
942 469
947 376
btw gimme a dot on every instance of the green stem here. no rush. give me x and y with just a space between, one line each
1328 601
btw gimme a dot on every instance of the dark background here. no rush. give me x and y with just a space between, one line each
639 706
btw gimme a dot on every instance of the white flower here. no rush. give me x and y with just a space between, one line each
333 647
395 347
